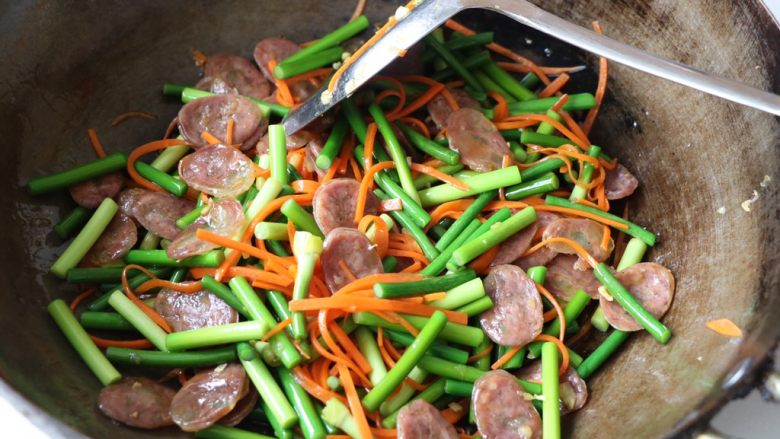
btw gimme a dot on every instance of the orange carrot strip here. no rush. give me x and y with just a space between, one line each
501 110
555 86
312 388
149 311
130 344
368 146
96 145
601 88
350 348
433 172
561 348
575 212
305 186
145 149
316 73
725 327
369 281
417 103
81 297
557 307
420 125
182 287
408 254
277 329
355 304
210 138
414 268
229 131
381 235
365 186
380 341
483 353
574 245
226 242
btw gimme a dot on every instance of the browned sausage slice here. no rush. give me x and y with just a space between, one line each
620 183
573 390
218 170
216 86
544 254
208 397
137 402
501 410
514 247
420 420
440 109
564 279
517 315
585 232
184 311
127 199
479 143
242 410
239 73
651 284
348 248
157 212
91 193
118 238
212 113
335 202
224 217
276 49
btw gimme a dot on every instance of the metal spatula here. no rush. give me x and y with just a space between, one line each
431 14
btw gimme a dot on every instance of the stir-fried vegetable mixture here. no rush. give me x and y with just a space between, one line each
423 261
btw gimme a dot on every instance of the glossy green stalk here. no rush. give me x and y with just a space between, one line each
96 275
308 415
218 431
81 244
508 82
216 335
395 150
170 157
429 285
159 258
302 219
332 146
633 254
110 163
307 249
424 181
452 332
477 184
546 183
473 249
220 290
369 348
165 181
272 231
579 191
438 349
431 393
471 212
104 320
476 307
445 54
429 147
277 151
602 353
404 394
412 229
189 94
551 421
82 343
440 262
145 325
266 386
332 39
147 358
72 222
326 57
190 217
461 295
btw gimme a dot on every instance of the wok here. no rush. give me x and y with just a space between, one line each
72 65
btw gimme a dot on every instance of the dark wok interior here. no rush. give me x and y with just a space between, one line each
73 65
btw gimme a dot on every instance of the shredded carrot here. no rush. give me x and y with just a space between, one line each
605 238
81 297
454 416
556 307
555 86
417 103
725 327
481 354
209 138
305 186
146 149
584 329
518 122
389 92
601 88
350 348
199 57
575 212
312 74
231 123
420 125
433 172
450 98
277 329
506 357
355 303
312 388
501 110
149 311
381 235
380 341
575 127
368 146
431 297
96 145
226 242
369 281
283 94
574 245
365 186
129 344
561 347
182 287
353 398
130 114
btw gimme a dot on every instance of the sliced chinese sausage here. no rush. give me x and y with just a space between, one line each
585 232
294 141
313 150
273 49
439 108
564 279
335 203
619 183
225 217
479 143
501 410
544 254
420 420
651 284
216 86
185 311
573 390
517 315
514 247
92 192
157 212
127 199
212 113
218 170
242 410
137 402
118 238
208 397
239 73
348 255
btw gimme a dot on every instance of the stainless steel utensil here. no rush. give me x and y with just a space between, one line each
430 14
